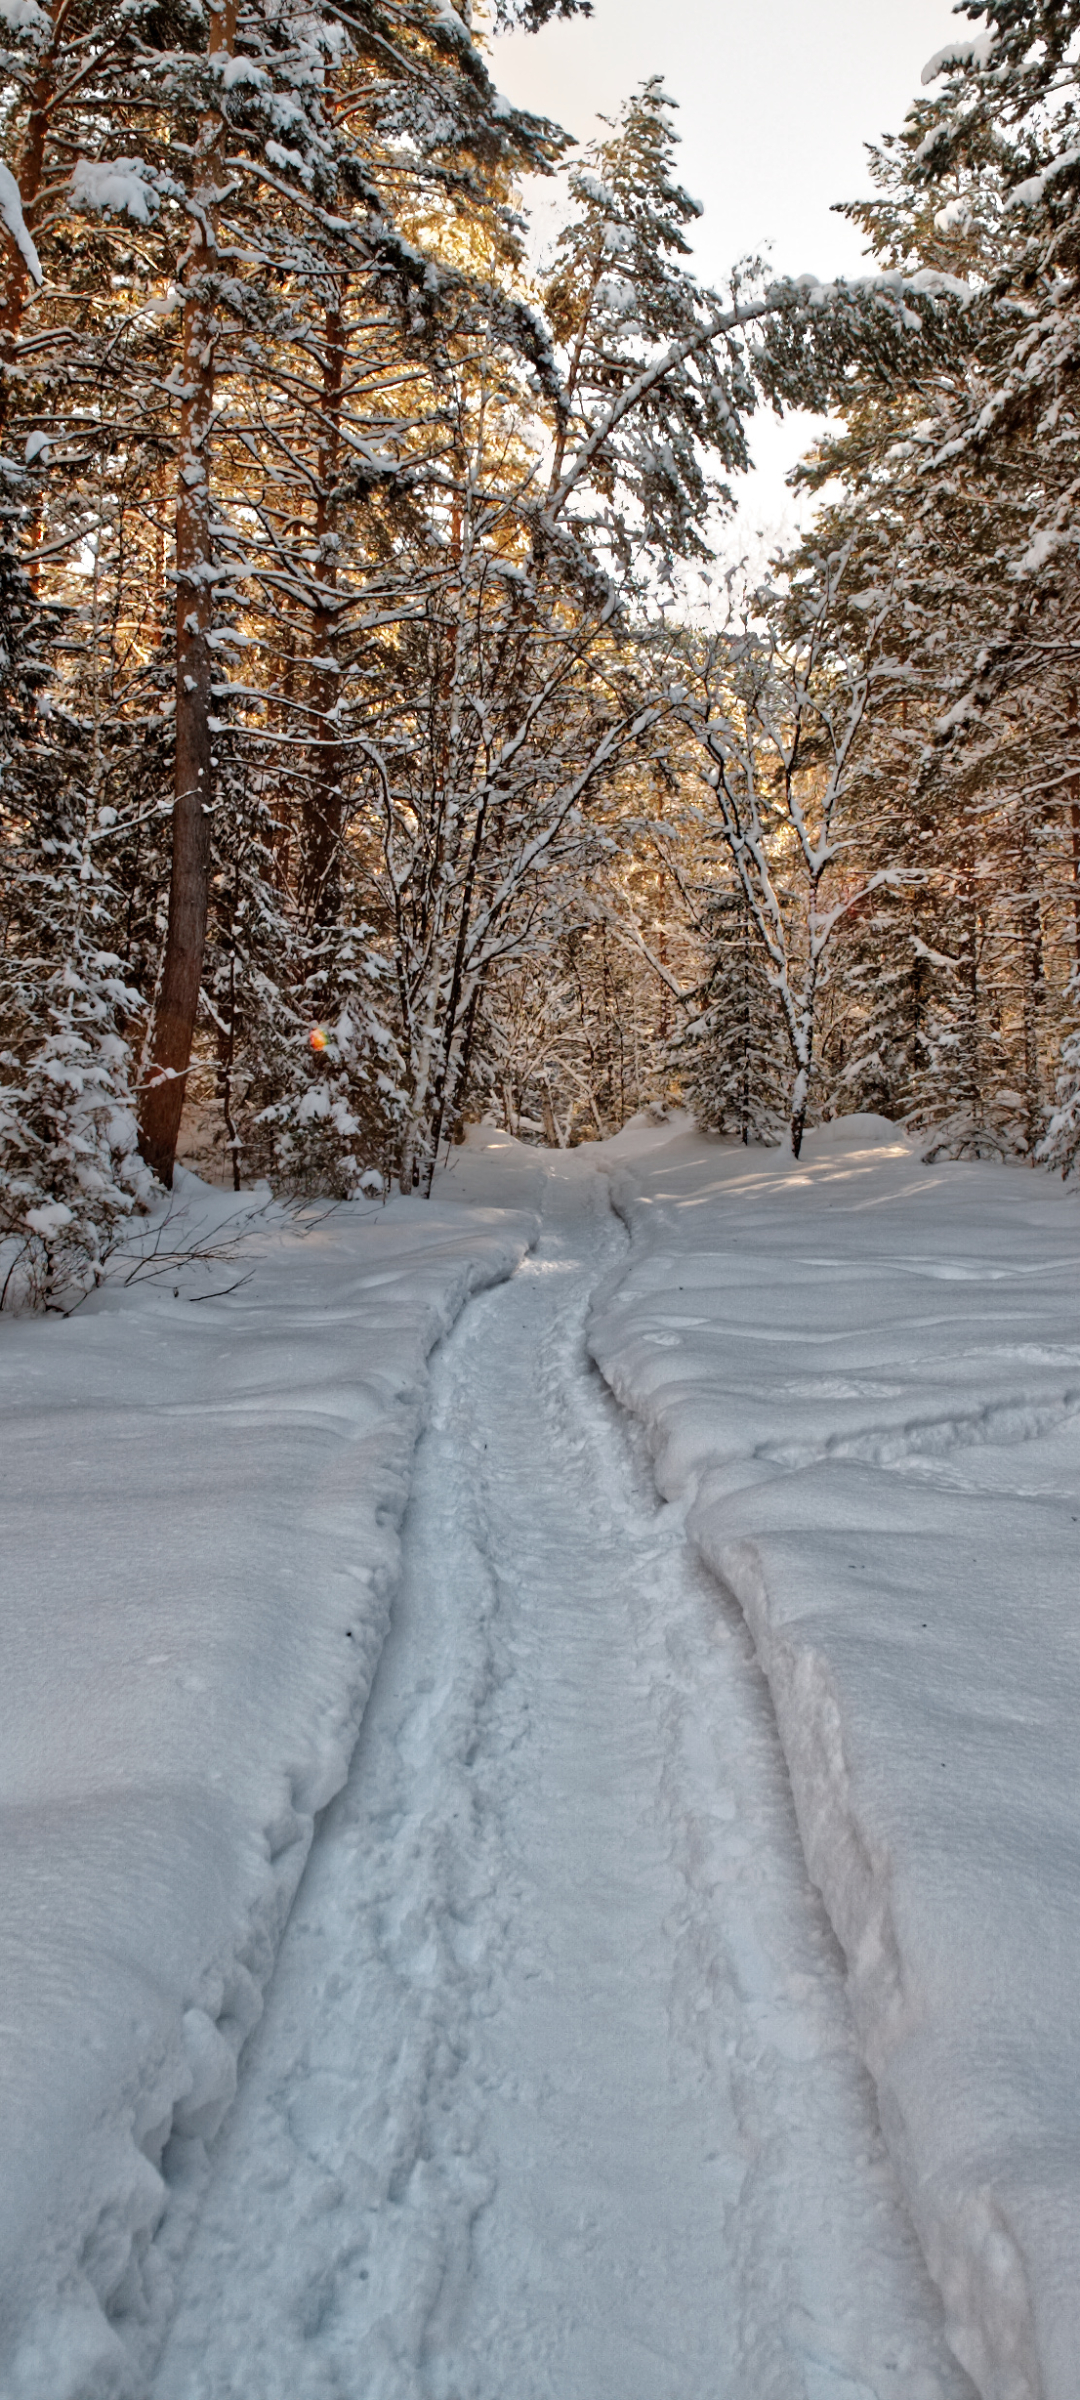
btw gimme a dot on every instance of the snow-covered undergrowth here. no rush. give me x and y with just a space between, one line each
861 1376
200 1512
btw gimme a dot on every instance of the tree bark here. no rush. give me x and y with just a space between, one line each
323 811
1072 807
1033 983
169 1056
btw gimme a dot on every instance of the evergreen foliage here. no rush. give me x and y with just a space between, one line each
731 1054
356 773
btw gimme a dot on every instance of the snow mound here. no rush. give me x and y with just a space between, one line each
860 1378
200 1506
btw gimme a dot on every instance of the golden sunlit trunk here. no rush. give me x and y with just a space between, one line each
323 810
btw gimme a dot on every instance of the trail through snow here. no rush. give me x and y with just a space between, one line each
555 2096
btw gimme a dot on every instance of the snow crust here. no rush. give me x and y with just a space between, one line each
200 1505
860 1379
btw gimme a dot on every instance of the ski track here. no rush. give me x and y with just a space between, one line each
556 2096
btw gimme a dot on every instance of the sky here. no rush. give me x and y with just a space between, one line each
776 101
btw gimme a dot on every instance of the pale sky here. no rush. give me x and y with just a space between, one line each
776 99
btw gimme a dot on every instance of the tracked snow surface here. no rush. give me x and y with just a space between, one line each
559 2092
556 2095
860 1381
198 1506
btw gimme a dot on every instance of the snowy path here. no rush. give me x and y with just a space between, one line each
555 2097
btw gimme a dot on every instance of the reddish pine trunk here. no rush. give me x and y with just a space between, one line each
323 812
1073 812
1074 822
185 941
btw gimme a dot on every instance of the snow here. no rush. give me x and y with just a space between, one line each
1029 193
956 216
977 53
591 188
199 1510
555 2096
12 213
1041 548
860 1381
560 2089
24 16
115 187
450 23
49 1219
887 285
617 293
234 71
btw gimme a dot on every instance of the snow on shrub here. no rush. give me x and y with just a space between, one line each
70 1173
1060 1145
334 1126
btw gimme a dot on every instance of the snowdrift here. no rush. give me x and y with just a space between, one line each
860 1378
200 1509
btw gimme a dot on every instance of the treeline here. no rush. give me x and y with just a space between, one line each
359 767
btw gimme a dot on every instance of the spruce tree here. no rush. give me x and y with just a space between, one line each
731 1055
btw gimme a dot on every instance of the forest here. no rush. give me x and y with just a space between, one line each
382 744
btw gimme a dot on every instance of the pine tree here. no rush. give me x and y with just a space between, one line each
619 295
956 497
70 1173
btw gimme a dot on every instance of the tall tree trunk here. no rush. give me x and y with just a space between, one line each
971 997
1074 827
746 1012
323 811
453 1002
284 807
1072 810
185 941
1033 983
802 1027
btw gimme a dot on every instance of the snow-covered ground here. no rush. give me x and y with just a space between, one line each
860 1378
198 1517
557 2094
